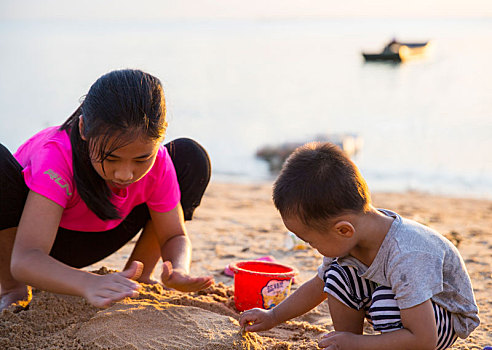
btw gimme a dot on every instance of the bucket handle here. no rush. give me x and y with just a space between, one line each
232 266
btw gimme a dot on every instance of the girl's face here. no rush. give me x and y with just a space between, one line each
128 164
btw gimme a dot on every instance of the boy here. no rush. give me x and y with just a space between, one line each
406 279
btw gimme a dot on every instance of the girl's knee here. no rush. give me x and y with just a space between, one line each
193 171
188 152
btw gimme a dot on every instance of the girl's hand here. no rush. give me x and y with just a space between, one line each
181 281
338 341
103 290
256 320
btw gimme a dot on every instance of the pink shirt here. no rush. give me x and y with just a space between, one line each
47 161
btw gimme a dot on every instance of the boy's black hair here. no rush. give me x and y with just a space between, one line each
318 182
120 106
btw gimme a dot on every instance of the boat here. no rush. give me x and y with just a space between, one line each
276 155
396 51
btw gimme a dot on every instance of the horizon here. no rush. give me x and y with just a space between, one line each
235 9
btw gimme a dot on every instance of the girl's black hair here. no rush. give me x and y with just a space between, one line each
120 106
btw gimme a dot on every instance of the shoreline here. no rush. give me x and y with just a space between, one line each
241 180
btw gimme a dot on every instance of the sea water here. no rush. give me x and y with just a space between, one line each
236 86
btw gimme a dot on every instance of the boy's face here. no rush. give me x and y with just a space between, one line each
328 242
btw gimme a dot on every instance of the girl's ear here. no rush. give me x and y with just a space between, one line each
345 229
81 128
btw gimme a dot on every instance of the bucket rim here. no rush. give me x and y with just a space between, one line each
235 268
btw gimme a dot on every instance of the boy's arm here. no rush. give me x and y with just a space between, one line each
419 333
306 297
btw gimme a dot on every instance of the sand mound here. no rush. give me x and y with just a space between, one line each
157 319
137 324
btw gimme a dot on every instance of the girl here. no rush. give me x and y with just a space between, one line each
72 195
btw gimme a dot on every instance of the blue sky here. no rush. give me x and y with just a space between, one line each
235 9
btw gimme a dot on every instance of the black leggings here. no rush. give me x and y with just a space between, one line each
79 249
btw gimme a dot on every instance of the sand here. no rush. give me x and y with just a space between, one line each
238 222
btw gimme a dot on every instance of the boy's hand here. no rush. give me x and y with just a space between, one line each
181 281
103 290
256 320
338 341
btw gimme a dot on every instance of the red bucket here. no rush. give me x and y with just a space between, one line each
260 284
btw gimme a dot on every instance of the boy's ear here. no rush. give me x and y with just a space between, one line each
81 128
345 229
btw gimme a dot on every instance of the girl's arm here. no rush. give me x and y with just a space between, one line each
419 333
175 249
32 264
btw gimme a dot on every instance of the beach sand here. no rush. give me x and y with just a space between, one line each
238 222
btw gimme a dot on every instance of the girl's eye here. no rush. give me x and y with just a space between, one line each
142 160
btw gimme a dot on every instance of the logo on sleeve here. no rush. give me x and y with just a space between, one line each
59 180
